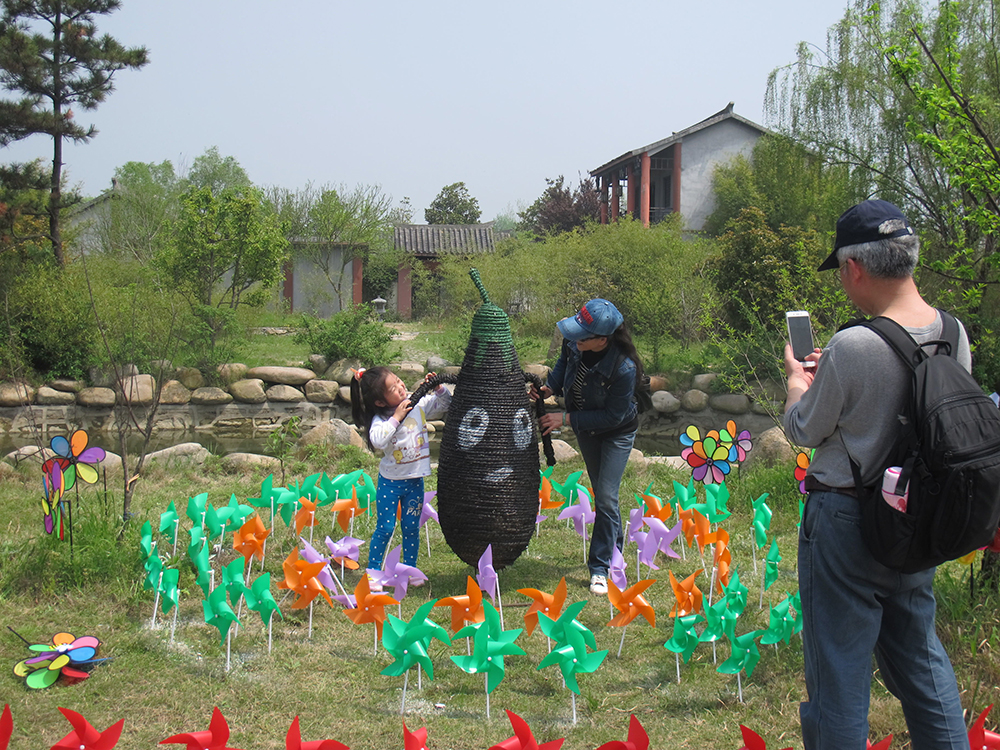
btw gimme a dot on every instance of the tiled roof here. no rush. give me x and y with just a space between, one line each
431 240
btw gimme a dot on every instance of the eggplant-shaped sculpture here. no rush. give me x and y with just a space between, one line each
488 467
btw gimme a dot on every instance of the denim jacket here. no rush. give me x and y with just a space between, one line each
608 399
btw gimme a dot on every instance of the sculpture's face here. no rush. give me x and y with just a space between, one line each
506 436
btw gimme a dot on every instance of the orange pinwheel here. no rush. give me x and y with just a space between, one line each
249 540
306 515
722 558
548 604
347 508
369 607
300 577
630 603
702 528
545 495
687 594
293 740
85 737
465 608
655 507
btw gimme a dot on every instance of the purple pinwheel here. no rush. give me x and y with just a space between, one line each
309 554
344 549
580 513
635 523
397 574
658 539
487 576
617 569
427 512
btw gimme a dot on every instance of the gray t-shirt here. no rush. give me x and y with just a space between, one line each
855 404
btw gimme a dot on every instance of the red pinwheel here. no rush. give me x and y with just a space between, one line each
523 739
85 737
6 727
752 740
414 740
215 737
293 741
801 465
980 737
884 744
637 738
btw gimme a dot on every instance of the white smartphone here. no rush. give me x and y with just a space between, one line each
800 335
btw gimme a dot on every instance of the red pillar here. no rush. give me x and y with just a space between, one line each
632 189
616 197
675 191
644 190
357 280
604 198
404 291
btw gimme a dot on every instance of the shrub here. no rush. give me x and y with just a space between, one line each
355 332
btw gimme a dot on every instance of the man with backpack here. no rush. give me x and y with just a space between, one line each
850 402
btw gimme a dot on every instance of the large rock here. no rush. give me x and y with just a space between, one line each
138 390
694 400
248 391
704 381
7 472
96 397
674 462
769 448
409 371
657 383
342 370
231 372
434 363
16 394
664 402
333 432
542 371
318 363
563 450
282 375
175 393
210 396
237 463
285 393
51 397
181 454
191 377
29 453
730 403
70 386
345 393
322 391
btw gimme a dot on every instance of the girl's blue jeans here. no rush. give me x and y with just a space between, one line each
606 458
392 493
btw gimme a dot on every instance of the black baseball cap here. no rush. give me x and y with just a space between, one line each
864 223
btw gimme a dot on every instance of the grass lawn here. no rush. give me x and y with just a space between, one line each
333 681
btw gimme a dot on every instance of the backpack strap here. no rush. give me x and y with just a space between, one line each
901 342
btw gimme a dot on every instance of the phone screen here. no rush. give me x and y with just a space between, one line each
800 334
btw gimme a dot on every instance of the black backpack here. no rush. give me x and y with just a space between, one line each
949 452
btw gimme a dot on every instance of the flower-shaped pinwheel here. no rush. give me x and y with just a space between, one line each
523 739
486 575
218 613
685 639
344 552
85 737
570 650
75 459
61 658
739 440
465 608
407 642
215 737
802 460
708 458
687 594
780 625
548 604
397 574
490 644
369 607
744 655
301 577
249 539
637 738
761 520
168 523
260 599
293 740
630 603
753 741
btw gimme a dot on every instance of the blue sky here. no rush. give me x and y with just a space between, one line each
413 96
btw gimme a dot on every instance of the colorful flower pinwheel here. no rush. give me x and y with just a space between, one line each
523 738
802 460
708 458
63 657
85 737
490 644
75 459
637 738
293 740
739 440
570 650
547 604
216 737
465 608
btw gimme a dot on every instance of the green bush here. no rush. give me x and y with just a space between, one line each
355 332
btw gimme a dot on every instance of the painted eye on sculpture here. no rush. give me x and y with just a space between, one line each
523 432
473 427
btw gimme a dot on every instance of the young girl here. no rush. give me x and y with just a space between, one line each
396 427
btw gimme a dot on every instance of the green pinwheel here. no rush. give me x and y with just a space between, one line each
686 496
154 568
796 605
736 594
287 502
490 645
168 590
407 642
146 540
260 599
780 624
267 495
558 630
761 520
168 523
718 620
196 508
716 499
744 654
771 564
232 579
571 654
204 577
685 640
218 613
197 543
569 489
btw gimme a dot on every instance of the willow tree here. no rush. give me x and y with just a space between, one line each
51 55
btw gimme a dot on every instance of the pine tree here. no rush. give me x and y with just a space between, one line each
52 56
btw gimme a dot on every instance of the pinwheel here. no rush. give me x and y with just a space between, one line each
722 558
719 620
761 525
196 508
146 540
687 594
685 495
636 521
6 727
802 460
570 650
218 613
204 578
344 552
465 608
684 640
300 577
169 522
293 740
523 739
545 488
753 741
637 738
397 574
428 513
216 737
261 601
700 529
230 516
306 515
85 737
490 644
708 459
407 643
780 624
979 736
486 575
796 607
76 459
52 483
630 603
249 539
369 607
653 505
744 656
347 508
197 543
325 576
570 489
770 567
883 744
658 539
414 740
168 589
616 571
232 582
736 594
582 515
154 569
60 658
548 604
716 498
741 441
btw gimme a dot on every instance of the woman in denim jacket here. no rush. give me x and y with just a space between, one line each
596 374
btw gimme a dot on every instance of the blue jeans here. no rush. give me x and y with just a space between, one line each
389 495
853 606
606 458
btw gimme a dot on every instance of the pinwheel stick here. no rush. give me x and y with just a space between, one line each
711 586
486 682
499 603
739 686
229 640
677 657
622 643
572 696
311 621
156 599
177 523
753 548
269 620
173 625
402 705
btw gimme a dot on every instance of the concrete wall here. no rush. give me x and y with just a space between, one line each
312 292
